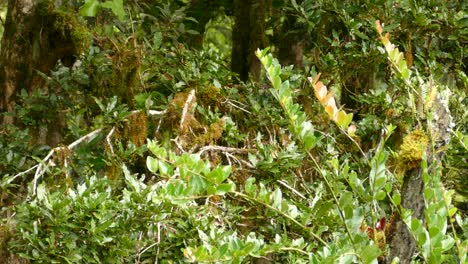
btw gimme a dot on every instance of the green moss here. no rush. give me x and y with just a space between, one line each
212 134
412 150
209 96
66 24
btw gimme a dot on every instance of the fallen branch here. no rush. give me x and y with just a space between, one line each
44 163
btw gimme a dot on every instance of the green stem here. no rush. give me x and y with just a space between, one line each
246 197
348 232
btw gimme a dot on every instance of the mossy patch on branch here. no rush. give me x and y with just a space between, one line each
412 150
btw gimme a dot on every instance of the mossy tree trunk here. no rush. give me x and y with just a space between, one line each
31 42
401 242
16 69
248 34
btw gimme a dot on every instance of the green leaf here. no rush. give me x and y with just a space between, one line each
397 198
117 8
277 82
211 190
152 164
219 174
447 243
165 168
90 8
452 211
277 198
346 199
157 40
380 195
197 184
343 119
369 254
380 180
405 73
309 141
250 187
415 225
224 188
41 192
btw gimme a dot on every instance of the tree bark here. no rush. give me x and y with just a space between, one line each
401 242
14 56
32 42
248 34
203 11
291 43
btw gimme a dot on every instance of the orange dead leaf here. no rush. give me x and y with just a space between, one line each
317 77
331 102
320 91
378 26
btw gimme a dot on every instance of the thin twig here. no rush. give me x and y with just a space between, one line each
84 138
188 104
22 173
42 166
155 112
236 106
292 189
108 137
226 149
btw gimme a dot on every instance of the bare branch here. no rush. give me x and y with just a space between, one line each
108 137
226 149
188 104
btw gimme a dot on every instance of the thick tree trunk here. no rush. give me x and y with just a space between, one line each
401 242
248 35
32 42
291 44
203 11
15 55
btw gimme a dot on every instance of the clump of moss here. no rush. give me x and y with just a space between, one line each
412 150
136 127
209 96
213 133
66 24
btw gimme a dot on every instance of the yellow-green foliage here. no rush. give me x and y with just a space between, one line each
412 150
213 133
209 96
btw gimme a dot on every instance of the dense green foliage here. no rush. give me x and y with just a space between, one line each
167 157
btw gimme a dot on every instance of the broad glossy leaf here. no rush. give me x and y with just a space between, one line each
90 8
152 164
165 168
117 8
344 119
224 188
